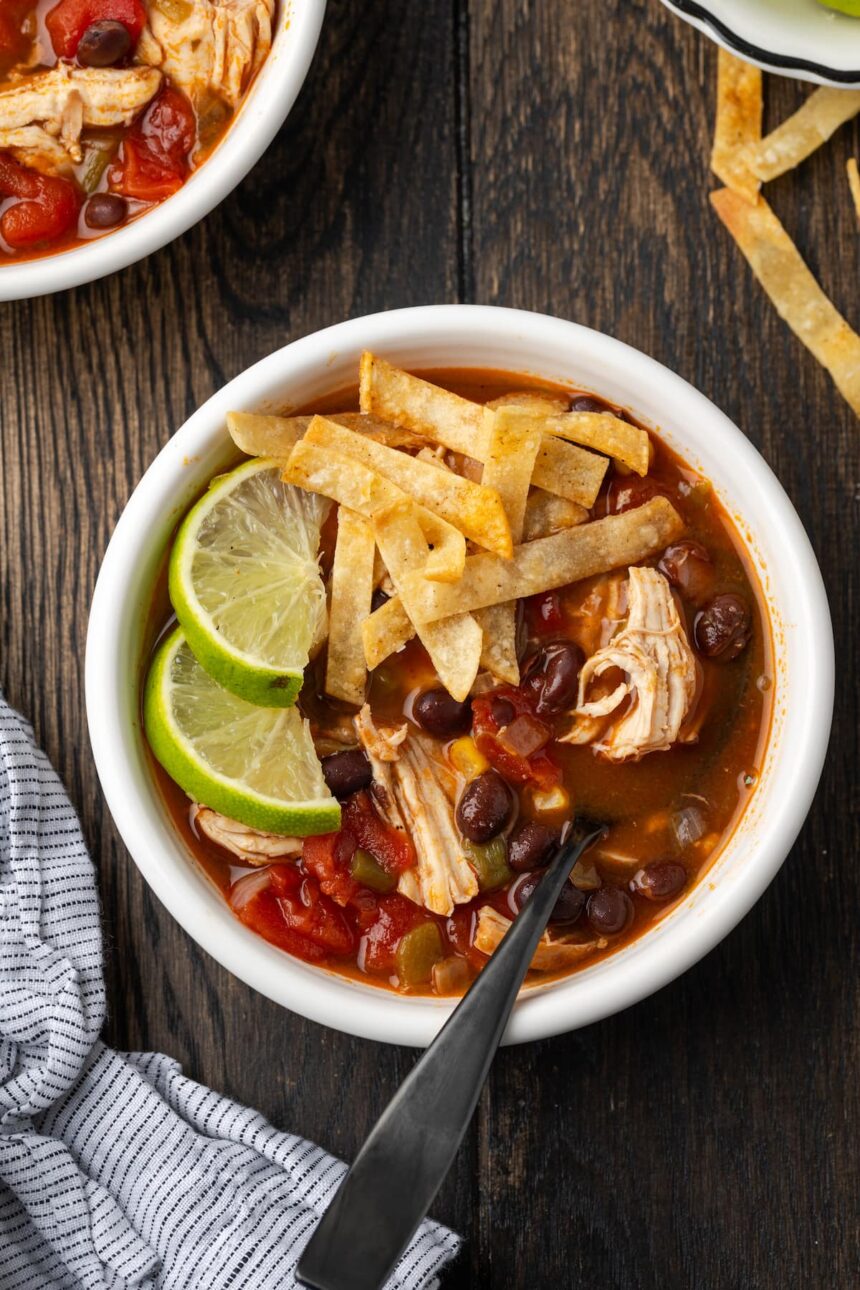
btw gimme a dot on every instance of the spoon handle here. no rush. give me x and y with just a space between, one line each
401 1166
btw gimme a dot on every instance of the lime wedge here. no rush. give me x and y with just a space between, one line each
245 582
851 7
256 765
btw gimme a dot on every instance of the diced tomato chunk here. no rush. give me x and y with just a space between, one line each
153 162
254 901
390 847
327 857
46 206
539 768
68 20
394 918
307 911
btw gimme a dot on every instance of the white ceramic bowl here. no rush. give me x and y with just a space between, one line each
798 38
468 336
261 115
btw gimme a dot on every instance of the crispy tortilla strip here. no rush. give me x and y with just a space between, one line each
513 442
546 514
385 632
350 483
798 136
499 650
474 509
433 413
514 438
603 432
539 402
738 123
421 407
447 560
549 562
854 182
341 478
266 436
351 590
797 297
569 471
552 954
455 645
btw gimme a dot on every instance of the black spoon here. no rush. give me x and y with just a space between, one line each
403 1163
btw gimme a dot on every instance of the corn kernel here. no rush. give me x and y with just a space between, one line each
468 758
551 802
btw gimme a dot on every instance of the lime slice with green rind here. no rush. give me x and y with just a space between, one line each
245 582
256 765
851 7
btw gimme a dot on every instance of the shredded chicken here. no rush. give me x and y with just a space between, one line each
552 953
660 676
414 789
208 45
44 114
249 845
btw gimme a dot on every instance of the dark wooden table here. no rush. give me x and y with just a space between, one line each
552 156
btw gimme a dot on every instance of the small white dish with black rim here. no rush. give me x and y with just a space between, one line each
799 38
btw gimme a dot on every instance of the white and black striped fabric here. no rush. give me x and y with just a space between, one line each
115 1170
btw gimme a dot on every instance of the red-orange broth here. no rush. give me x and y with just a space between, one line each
678 806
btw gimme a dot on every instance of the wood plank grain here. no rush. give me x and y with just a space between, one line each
702 1139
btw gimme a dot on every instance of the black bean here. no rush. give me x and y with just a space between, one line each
440 715
567 908
553 677
347 772
378 599
105 210
485 807
688 566
529 846
585 403
628 492
660 880
104 43
609 910
723 628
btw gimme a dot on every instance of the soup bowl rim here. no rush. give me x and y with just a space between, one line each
468 336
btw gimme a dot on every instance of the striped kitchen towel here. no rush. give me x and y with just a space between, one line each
115 1170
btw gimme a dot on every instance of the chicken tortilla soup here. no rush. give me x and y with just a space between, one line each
405 645
106 107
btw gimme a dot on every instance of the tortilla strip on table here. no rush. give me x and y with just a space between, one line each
547 563
738 123
819 117
351 592
797 297
854 182
475 509
269 436
455 645
433 413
